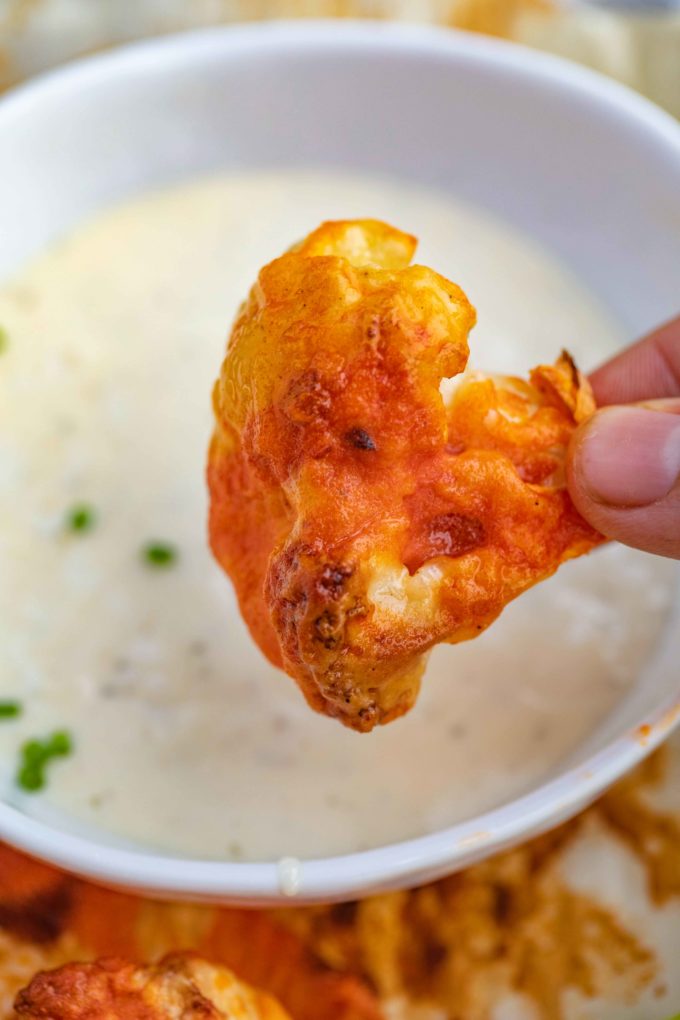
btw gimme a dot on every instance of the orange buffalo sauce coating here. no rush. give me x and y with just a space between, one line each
361 516
180 987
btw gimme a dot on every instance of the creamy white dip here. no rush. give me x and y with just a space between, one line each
185 738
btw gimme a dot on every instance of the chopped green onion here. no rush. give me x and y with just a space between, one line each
4 340
35 756
81 518
159 554
59 744
10 709
31 778
33 752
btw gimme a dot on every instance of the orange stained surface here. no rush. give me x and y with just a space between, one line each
362 516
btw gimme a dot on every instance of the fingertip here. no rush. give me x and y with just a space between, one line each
623 473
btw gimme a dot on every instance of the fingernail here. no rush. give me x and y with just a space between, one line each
631 456
671 405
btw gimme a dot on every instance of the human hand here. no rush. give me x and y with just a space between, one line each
624 462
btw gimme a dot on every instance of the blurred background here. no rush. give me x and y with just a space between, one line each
634 41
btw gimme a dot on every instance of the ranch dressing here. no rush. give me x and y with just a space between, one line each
185 739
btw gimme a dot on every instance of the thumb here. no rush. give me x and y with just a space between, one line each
624 475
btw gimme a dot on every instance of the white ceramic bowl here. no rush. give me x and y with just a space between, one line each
585 166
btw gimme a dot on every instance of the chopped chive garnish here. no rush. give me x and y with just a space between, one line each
31 778
4 340
159 554
35 756
10 709
81 518
33 752
59 744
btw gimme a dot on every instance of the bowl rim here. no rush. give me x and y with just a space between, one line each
435 854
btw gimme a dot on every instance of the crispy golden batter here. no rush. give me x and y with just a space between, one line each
181 987
362 517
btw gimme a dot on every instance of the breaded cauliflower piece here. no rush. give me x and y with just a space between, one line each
363 517
181 987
